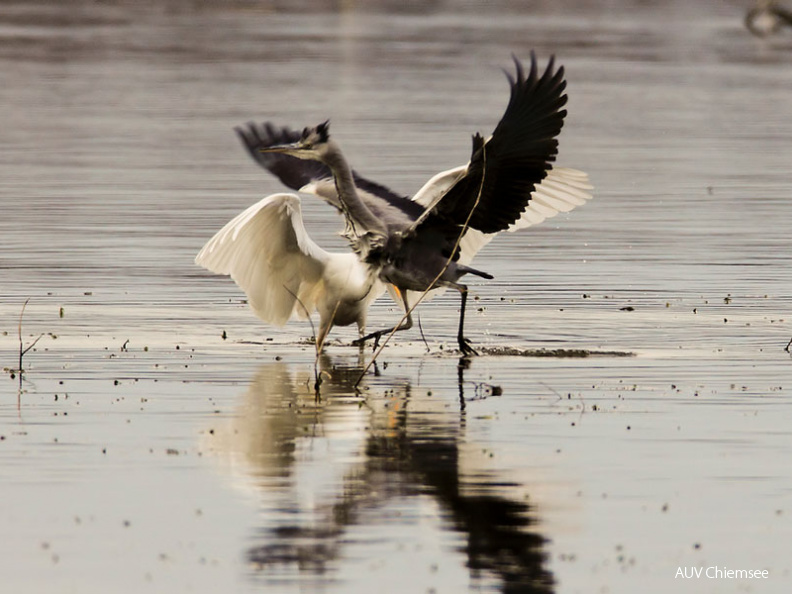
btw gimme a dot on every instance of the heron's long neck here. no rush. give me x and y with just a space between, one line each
353 206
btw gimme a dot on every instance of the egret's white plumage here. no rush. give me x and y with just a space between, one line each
284 274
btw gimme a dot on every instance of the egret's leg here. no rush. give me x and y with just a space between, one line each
360 342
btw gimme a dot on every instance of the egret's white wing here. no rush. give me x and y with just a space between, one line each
268 253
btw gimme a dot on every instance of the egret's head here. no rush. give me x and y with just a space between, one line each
313 144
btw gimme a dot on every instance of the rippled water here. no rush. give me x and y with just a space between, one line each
146 452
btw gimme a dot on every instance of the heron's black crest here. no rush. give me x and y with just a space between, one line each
318 135
323 130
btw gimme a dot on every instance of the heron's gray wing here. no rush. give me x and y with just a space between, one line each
294 173
315 177
505 169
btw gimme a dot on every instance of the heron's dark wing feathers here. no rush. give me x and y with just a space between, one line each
294 173
299 173
506 168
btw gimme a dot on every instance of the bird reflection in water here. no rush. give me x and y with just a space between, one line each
767 17
321 468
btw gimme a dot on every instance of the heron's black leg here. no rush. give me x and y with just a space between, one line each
789 344
464 363
380 333
464 343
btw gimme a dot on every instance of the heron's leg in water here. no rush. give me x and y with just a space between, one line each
464 343
408 323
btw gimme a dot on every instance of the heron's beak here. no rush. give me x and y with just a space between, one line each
288 149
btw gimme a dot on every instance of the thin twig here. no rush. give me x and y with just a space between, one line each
560 397
305 309
22 349
442 272
317 377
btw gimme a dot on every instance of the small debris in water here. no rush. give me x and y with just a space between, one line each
505 351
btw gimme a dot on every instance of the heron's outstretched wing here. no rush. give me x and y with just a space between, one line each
505 169
313 177
268 253
561 190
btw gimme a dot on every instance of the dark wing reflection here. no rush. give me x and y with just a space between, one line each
498 530
322 467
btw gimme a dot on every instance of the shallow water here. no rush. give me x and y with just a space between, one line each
147 453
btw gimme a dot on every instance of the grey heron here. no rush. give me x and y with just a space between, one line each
406 245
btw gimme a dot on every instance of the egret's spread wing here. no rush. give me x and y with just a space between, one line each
314 177
267 251
505 169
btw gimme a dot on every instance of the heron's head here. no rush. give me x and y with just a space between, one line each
313 144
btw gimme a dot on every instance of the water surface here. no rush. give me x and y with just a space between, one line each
147 453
